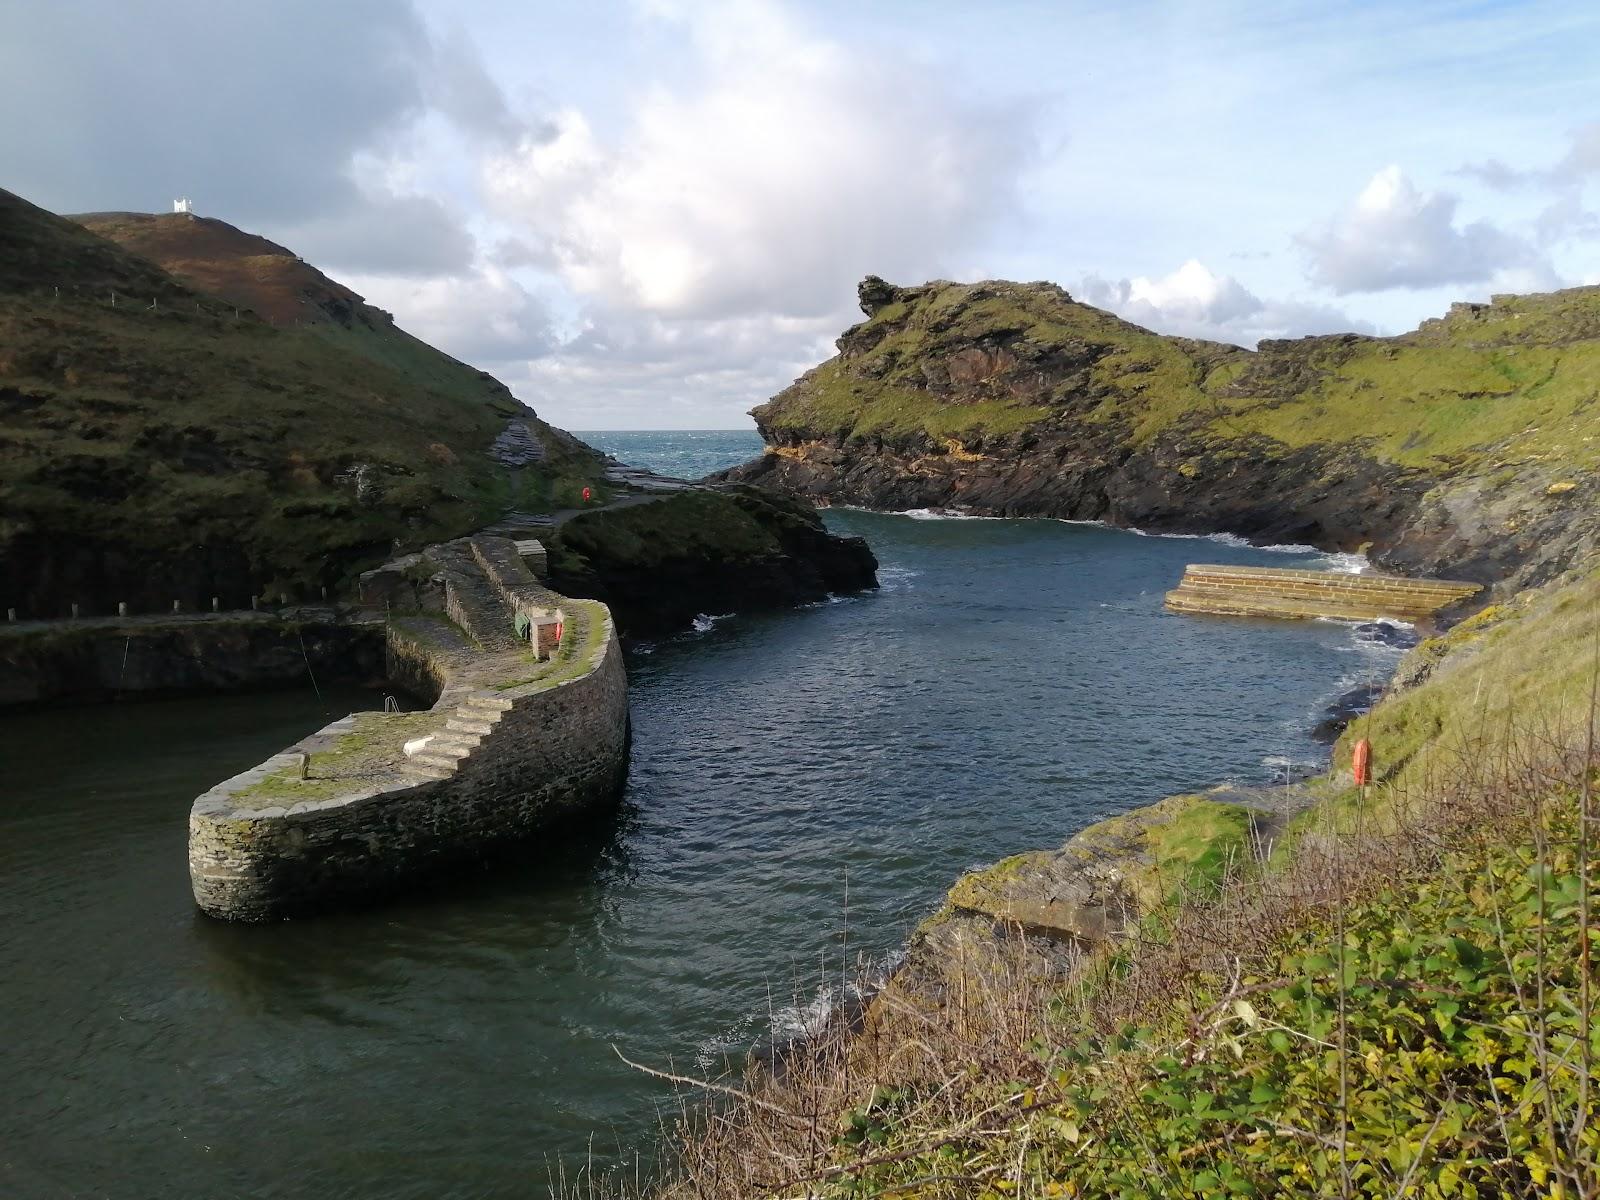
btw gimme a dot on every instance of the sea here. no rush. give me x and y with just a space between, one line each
805 785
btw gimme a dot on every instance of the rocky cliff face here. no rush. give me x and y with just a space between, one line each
1468 446
733 549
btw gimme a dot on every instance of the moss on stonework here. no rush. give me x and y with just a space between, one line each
371 751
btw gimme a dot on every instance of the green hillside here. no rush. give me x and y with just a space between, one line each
1467 447
1516 379
161 442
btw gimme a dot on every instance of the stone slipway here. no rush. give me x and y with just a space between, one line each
1286 592
515 744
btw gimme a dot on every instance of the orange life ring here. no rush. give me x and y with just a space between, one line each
1361 763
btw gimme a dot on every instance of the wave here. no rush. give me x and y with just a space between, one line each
804 1019
1286 768
942 514
706 622
1349 563
1345 562
894 579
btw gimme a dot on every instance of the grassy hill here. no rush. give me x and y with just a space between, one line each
161 438
1468 444
1514 379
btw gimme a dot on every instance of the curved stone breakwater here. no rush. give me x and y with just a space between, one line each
529 726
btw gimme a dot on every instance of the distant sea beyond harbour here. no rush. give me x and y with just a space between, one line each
682 453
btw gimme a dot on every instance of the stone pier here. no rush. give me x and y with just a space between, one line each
1282 592
529 726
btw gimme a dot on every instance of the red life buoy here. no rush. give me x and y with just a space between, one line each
586 495
1361 763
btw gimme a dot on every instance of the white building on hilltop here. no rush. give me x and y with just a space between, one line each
182 205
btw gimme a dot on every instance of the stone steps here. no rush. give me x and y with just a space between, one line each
458 745
473 602
1288 593
444 762
517 446
425 774
520 525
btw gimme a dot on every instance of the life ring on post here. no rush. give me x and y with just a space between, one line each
1361 763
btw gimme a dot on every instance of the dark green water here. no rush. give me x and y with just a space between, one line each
1012 682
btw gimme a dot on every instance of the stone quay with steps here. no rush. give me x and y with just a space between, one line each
521 735
1288 593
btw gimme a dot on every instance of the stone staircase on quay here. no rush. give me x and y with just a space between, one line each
1289 593
486 582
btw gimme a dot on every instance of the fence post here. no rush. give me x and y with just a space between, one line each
122 608
74 610
215 606
11 614
175 606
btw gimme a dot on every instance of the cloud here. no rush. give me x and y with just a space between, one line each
399 234
1193 301
1396 236
641 370
478 316
1564 218
268 116
787 167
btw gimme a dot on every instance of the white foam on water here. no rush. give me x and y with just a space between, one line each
894 579
1281 767
706 622
942 514
1345 563
1330 560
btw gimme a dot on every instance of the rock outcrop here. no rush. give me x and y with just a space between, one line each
1466 448
729 549
1049 908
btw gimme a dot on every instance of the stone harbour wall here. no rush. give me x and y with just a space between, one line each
514 746
67 662
553 754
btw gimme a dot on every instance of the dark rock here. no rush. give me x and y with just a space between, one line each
733 549
1096 423
875 294
1388 633
1352 704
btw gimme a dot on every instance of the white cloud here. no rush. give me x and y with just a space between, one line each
477 316
1394 235
644 371
787 168
1193 301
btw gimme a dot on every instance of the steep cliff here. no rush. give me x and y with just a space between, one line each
1468 445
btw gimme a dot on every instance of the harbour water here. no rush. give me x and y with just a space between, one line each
804 787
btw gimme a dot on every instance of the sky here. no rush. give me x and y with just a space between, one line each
652 214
